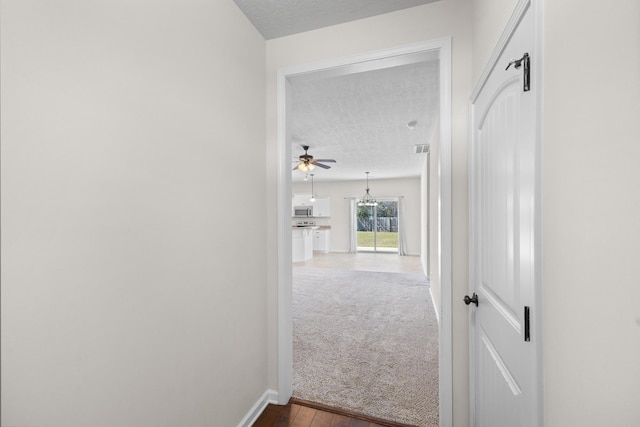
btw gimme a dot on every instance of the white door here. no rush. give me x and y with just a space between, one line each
505 382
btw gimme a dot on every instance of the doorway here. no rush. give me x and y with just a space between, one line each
377 227
380 59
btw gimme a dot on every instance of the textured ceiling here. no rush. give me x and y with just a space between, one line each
357 115
360 120
278 18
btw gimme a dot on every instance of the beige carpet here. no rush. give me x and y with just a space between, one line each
366 342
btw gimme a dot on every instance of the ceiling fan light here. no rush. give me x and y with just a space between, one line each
305 167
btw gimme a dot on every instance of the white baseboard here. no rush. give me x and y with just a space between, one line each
269 396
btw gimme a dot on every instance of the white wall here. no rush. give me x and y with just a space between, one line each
131 294
425 249
591 203
419 24
339 191
489 20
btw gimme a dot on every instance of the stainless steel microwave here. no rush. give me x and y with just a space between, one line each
303 211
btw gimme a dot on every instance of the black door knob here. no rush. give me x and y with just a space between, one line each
473 299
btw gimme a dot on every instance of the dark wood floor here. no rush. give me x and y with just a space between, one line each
298 413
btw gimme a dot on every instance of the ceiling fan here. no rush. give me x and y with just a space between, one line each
308 163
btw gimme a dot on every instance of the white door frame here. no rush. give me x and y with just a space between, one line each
536 8
441 48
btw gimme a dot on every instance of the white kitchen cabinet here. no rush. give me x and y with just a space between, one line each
302 200
302 244
322 207
321 240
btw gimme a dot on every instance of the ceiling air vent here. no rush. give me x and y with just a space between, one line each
422 148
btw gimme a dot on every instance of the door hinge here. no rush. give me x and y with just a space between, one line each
524 62
527 324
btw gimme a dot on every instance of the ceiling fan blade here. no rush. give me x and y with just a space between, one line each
321 165
324 160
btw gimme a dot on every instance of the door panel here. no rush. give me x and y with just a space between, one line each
498 213
503 162
497 384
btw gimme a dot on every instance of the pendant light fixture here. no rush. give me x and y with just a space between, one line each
367 199
313 195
